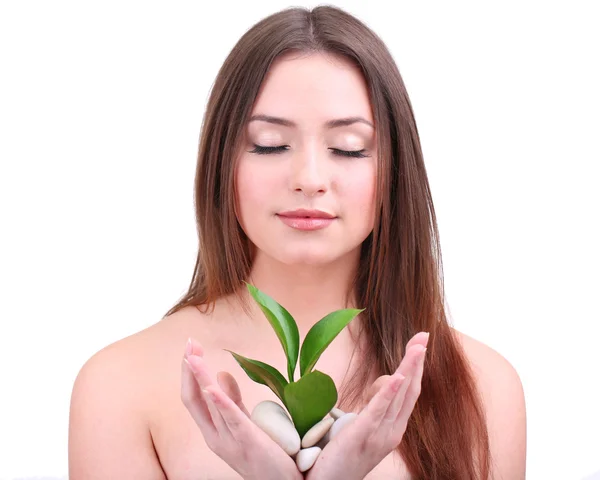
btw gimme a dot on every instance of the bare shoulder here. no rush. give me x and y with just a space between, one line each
109 436
132 362
131 357
494 372
501 390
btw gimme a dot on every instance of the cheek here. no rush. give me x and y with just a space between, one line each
358 191
254 190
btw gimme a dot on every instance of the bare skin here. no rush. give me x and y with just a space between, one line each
218 410
127 415
143 430
207 465
153 357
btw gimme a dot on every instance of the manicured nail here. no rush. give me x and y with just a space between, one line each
427 338
188 347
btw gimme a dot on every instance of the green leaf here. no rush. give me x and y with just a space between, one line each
284 325
322 334
309 399
263 373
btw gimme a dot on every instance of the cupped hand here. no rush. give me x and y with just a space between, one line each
226 425
380 426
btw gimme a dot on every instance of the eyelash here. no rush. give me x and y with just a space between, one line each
260 150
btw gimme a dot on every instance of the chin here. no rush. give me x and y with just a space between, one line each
308 257
312 262
306 260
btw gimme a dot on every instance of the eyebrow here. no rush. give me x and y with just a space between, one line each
338 122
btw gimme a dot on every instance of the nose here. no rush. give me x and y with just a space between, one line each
308 175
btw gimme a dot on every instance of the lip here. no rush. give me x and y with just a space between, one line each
306 223
306 214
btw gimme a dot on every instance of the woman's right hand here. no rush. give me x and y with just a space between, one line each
226 426
380 426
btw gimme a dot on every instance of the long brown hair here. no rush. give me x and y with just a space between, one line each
400 276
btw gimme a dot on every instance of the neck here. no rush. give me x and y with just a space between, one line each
307 292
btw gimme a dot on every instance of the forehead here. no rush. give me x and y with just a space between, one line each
313 88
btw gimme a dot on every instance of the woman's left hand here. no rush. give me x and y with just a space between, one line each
380 426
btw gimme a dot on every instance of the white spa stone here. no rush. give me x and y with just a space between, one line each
307 457
336 427
339 424
275 422
317 432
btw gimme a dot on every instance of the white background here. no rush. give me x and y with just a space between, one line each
100 110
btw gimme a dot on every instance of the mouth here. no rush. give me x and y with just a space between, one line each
306 214
306 223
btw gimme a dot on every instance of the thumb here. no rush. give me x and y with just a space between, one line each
231 389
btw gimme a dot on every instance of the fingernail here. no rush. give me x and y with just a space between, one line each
427 338
188 347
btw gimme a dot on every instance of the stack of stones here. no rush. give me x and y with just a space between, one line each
275 422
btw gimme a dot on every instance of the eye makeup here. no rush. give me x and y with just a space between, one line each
260 150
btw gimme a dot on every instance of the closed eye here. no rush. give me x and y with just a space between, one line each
260 150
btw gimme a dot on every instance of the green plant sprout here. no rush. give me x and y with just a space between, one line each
314 394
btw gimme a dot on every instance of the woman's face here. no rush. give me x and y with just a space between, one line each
308 172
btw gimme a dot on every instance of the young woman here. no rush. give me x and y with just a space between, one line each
308 117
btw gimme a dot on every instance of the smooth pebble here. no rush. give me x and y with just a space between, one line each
307 457
317 432
336 427
275 422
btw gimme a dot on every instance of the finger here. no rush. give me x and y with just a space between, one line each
407 368
236 420
192 398
379 404
376 386
193 347
389 418
232 390
408 363
383 398
421 338
412 393
200 370
217 417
